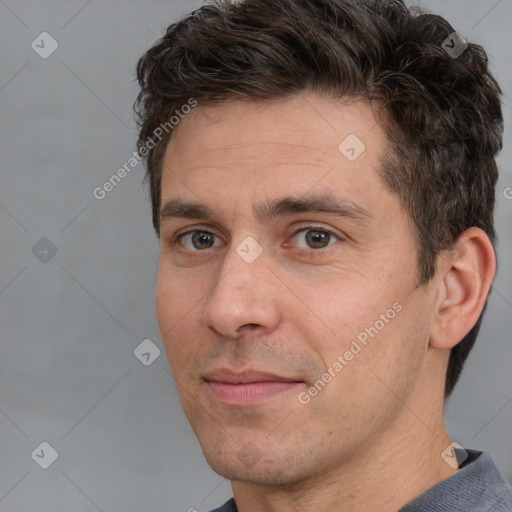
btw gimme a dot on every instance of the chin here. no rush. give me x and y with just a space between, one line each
247 464
261 473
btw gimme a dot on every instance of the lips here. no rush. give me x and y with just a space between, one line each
246 377
247 388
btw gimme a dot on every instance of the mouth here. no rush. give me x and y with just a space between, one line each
247 388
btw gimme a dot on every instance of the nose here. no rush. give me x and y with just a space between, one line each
245 298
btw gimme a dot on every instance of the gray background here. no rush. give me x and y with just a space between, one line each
69 326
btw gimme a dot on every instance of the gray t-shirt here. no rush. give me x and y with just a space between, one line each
476 487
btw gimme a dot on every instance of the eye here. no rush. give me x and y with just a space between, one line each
313 237
310 237
198 240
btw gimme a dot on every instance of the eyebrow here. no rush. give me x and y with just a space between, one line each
265 212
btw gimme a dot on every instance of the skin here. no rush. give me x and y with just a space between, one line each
372 437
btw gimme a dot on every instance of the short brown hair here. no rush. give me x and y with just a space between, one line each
441 112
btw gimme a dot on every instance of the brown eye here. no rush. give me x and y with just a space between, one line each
314 238
318 239
198 240
202 240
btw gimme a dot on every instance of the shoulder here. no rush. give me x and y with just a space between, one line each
229 506
477 486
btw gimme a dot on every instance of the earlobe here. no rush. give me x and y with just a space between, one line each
467 274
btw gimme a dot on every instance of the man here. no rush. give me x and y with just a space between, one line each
322 179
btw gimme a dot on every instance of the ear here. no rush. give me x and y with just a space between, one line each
466 275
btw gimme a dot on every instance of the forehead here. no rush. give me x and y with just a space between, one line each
246 150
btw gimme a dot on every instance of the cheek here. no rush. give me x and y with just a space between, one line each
177 294
370 324
165 305
338 313
395 356
176 317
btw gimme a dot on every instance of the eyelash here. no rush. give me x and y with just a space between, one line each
321 229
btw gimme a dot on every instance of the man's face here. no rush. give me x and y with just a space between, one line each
256 304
